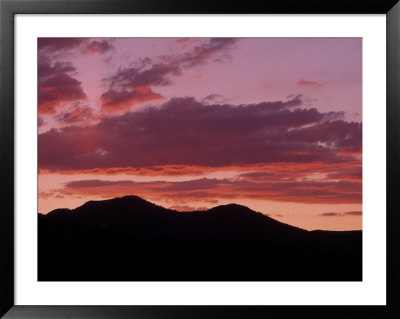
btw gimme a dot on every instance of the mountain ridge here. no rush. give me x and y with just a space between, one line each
226 209
131 239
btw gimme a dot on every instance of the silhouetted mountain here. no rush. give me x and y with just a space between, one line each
129 238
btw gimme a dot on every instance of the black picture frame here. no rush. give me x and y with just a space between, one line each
8 9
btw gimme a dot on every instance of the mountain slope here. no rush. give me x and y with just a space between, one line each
129 238
132 215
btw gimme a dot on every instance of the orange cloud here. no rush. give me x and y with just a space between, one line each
125 99
214 189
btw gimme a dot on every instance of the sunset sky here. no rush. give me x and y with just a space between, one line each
191 123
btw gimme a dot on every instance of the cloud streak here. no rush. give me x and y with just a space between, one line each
353 213
75 115
310 84
206 189
132 85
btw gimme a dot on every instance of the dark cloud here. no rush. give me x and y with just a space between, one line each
132 85
186 132
338 134
59 44
354 213
57 85
157 75
113 100
202 53
330 214
125 84
75 115
214 98
88 45
211 97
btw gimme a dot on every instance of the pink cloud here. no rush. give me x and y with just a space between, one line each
97 46
311 84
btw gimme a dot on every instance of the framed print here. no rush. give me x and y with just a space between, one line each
161 159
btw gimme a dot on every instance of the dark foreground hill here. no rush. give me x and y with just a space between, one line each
130 239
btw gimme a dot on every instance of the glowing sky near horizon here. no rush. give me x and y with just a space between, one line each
191 123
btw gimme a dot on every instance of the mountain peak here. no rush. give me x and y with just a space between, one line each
231 208
128 199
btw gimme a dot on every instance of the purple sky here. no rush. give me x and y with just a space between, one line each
271 123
